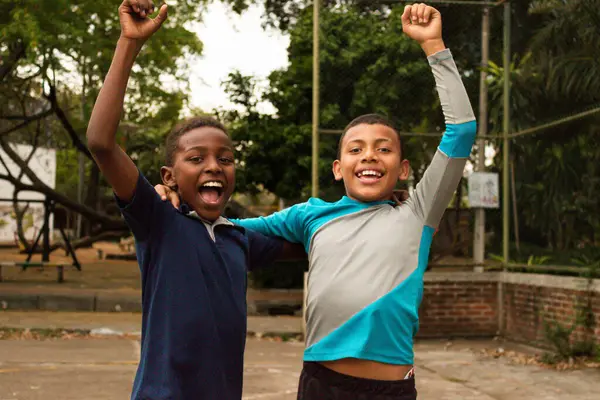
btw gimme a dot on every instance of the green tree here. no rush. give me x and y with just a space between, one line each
566 48
54 56
556 74
367 65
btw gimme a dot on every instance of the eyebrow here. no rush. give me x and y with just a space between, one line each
204 148
377 141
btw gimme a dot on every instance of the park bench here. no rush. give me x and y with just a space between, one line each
60 267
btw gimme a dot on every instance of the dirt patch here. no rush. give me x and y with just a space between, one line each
521 358
95 274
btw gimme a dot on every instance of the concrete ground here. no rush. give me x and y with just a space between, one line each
69 369
103 367
461 371
126 323
94 369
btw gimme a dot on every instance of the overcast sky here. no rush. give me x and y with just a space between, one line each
233 42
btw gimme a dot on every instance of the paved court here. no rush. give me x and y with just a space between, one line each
103 368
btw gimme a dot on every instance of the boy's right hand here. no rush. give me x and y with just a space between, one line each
135 23
166 193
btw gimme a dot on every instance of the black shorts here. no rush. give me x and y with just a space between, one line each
320 383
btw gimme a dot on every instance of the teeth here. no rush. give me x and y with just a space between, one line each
369 172
213 184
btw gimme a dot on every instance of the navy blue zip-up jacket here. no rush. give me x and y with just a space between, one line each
194 278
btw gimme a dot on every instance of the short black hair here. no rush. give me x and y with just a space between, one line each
369 119
172 140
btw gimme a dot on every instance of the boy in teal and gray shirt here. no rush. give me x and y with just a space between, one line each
369 250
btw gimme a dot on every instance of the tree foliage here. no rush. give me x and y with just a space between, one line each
556 75
54 56
367 65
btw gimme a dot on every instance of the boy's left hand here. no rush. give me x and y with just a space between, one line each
423 23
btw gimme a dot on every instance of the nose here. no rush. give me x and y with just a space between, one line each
369 155
212 166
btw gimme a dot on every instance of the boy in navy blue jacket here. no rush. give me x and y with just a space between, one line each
193 261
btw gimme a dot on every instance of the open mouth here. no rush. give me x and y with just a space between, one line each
211 192
369 176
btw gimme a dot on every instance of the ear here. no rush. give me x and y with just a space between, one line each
168 177
404 170
337 170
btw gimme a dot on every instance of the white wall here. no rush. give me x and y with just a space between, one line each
43 164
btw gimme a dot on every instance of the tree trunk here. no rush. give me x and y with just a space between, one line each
19 214
91 197
64 120
38 186
559 236
17 51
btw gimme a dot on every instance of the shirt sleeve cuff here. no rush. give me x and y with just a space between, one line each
139 186
440 56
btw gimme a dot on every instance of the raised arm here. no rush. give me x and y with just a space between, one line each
435 189
120 172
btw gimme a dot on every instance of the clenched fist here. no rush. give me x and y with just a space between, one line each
135 21
423 23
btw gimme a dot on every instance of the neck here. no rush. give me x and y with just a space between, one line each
397 196
188 210
384 198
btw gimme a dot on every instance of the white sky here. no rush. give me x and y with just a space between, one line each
233 42
239 42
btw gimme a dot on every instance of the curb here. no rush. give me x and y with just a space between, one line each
102 302
70 302
53 333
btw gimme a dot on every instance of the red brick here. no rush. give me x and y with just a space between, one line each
456 308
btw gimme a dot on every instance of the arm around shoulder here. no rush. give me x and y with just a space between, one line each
286 224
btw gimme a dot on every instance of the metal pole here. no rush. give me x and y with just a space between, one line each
315 109
46 231
505 168
556 122
479 237
506 145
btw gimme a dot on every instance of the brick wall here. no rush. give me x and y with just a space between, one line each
466 304
459 304
532 301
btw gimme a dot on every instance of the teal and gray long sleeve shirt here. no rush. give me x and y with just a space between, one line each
367 260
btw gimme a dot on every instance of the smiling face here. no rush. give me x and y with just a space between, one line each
203 170
370 163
